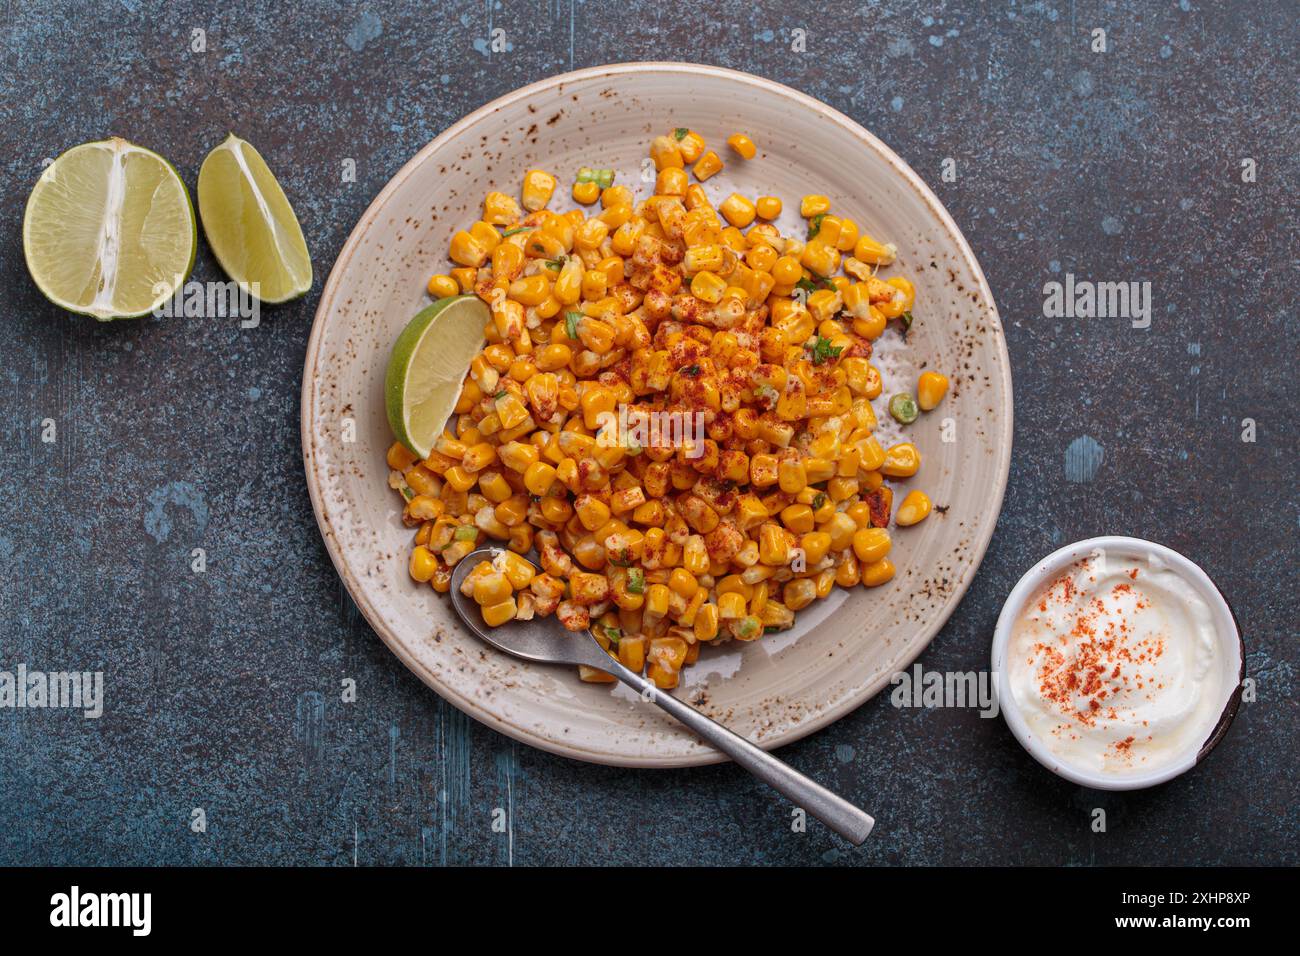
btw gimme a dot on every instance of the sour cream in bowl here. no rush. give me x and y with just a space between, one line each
1118 663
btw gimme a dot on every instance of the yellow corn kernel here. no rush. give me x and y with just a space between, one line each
441 286
459 478
586 193
913 509
657 597
731 606
400 457
841 529
422 564
491 588
768 207
671 181
792 476
615 195
874 253
815 545
465 277
742 144
591 511
537 190
708 165
530 290
820 258
798 594
842 489
517 456
493 487
539 477
495 615
877 573
467 251
738 210
665 153
773 546
597 401
930 389
695 556
682 582
708 287
848 236
871 544
814 205
706 622
689 143
798 518
631 653
478 457
901 461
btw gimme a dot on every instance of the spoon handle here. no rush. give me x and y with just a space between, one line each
830 808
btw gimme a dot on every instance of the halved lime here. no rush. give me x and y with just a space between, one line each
250 224
428 364
109 230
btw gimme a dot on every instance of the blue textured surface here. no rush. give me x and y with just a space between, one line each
223 688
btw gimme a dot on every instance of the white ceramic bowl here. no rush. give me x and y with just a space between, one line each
1225 627
845 648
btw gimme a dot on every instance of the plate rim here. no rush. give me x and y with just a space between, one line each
307 404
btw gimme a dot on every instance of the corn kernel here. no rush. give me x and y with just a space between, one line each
914 508
708 165
877 573
930 389
742 144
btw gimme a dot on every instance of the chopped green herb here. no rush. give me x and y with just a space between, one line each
823 351
635 581
680 133
586 174
903 407
815 225
818 501
516 229
767 392
408 492
555 265
500 394
907 320
747 627
571 320
812 285
615 634
691 371
770 629
466 532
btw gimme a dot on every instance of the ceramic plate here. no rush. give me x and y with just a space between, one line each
845 648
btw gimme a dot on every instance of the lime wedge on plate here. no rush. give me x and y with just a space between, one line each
109 230
429 362
250 224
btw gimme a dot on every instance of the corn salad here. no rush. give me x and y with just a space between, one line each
667 304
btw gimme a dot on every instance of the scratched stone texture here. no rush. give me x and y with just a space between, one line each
224 687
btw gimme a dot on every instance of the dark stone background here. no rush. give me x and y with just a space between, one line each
223 687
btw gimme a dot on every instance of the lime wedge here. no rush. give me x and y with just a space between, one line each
250 224
109 230
429 362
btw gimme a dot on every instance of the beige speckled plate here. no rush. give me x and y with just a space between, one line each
845 648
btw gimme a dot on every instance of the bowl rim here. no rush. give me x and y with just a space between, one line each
1034 578
1002 441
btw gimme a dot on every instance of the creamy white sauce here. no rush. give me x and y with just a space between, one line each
1116 667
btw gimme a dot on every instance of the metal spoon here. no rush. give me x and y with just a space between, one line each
545 641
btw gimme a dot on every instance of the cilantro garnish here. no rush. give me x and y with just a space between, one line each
815 224
823 351
571 320
680 133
